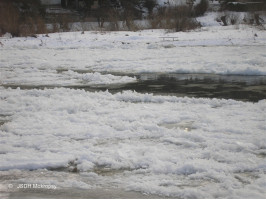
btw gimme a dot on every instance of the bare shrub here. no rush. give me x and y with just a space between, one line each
40 25
64 21
129 23
55 27
9 18
253 19
186 24
177 18
113 18
27 28
156 19
101 15
234 18
32 26
20 19
183 20
128 18
201 8
230 18
150 5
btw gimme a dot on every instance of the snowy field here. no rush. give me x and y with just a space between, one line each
156 145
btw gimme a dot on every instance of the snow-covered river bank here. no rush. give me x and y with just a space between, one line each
124 143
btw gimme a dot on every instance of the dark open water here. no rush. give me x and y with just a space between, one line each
244 88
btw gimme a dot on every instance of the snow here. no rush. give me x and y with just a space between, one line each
211 49
39 77
171 2
176 2
126 131
157 145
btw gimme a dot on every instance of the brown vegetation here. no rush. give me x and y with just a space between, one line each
20 19
9 18
179 18
201 8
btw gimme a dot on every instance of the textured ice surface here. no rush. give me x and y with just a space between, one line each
215 49
210 152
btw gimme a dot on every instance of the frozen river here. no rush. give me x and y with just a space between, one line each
128 115
132 146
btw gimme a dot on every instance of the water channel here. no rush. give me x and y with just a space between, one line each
237 87
244 88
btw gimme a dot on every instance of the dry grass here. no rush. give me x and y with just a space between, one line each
177 18
64 21
201 8
17 23
9 19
